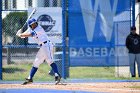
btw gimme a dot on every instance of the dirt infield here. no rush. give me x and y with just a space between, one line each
113 87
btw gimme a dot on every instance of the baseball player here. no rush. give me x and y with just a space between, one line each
45 52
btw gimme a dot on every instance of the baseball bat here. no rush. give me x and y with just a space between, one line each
30 16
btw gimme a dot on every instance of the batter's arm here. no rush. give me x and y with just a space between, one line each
24 34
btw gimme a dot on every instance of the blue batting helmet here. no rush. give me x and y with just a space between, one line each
31 21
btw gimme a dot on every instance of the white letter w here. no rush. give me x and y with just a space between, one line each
106 14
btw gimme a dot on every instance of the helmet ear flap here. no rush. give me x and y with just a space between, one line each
30 26
35 23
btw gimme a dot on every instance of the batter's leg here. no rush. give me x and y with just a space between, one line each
38 60
56 73
49 58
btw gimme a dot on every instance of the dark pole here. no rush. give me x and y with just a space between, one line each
133 12
139 17
1 43
64 38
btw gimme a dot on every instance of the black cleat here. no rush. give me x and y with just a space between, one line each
28 81
57 79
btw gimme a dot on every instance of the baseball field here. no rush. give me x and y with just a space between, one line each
83 41
92 87
94 82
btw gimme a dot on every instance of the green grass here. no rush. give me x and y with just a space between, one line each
20 72
92 72
15 72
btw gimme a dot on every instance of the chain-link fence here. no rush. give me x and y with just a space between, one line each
25 4
18 54
95 33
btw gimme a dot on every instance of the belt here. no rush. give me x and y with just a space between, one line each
44 42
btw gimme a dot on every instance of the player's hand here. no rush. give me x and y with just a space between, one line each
19 32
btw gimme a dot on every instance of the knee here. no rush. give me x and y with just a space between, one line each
50 62
36 64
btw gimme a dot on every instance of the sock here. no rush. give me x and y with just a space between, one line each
54 68
32 72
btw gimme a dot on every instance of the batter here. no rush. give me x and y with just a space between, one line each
45 52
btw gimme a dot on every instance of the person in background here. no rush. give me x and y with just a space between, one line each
133 45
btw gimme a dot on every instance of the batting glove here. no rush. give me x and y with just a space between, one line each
19 33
